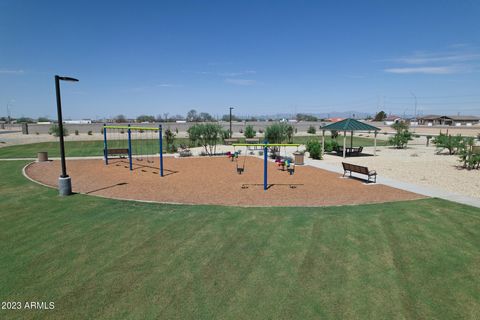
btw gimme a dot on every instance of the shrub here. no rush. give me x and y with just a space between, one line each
469 159
311 130
401 137
449 142
330 145
314 147
241 130
170 140
260 130
55 130
225 135
76 132
185 153
249 132
89 132
334 134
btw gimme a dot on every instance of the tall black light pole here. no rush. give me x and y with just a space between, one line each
231 122
64 182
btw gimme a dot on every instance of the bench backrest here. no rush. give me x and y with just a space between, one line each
355 168
117 151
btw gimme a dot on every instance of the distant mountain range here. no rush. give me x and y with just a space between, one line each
333 114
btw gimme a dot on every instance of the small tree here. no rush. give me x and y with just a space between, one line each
43 119
249 132
290 131
380 116
145 118
311 130
402 135
170 140
276 133
192 115
55 131
120 119
449 142
207 135
205 116
469 159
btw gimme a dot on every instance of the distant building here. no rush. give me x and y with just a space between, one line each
392 119
436 120
332 120
83 121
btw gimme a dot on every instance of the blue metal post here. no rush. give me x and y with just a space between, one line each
105 147
265 165
130 148
161 149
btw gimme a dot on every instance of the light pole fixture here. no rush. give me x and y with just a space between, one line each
231 133
64 182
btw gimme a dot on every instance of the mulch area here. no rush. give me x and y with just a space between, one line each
214 180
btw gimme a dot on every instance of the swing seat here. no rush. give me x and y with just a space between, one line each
240 170
291 171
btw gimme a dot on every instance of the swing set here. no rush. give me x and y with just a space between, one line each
139 145
284 163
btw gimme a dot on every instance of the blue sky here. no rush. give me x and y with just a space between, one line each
261 57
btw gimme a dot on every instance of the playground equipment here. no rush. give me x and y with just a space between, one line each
286 164
265 147
139 143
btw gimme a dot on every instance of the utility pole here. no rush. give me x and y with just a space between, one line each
415 109
231 122
8 113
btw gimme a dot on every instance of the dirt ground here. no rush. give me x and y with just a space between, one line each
215 181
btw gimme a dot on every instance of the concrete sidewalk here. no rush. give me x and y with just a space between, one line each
426 191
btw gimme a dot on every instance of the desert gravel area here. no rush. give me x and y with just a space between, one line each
419 165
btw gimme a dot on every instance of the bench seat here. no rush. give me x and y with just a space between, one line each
349 168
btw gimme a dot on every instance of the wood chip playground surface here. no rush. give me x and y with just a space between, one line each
214 180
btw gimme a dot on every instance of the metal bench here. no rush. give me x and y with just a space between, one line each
348 167
121 152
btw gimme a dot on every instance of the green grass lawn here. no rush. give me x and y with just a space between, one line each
95 147
106 259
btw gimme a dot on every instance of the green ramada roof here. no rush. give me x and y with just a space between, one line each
350 125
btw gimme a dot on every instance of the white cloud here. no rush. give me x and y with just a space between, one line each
424 58
7 71
429 70
236 74
167 85
241 82
449 62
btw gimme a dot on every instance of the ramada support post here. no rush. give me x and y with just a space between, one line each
344 143
130 147
375 144
160 136
265 167
105 146
323 143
